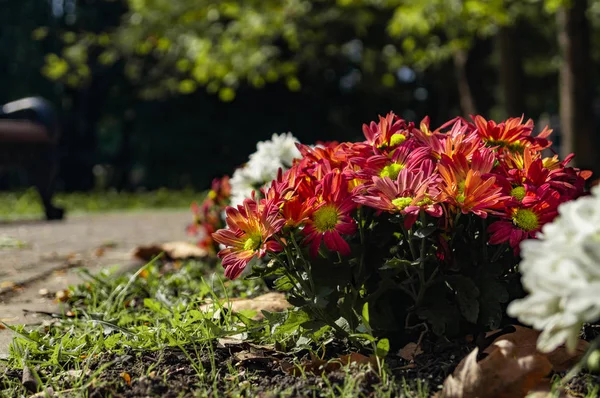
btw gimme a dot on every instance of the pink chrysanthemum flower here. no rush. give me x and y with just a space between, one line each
331 218
411 191
526 220
250 229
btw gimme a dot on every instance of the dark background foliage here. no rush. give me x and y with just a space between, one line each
135 116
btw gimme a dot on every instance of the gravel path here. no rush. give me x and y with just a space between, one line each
50 251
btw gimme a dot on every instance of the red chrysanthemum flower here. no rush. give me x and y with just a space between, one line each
526 220
468 185
250 229
528 171
384 166
511 134
331 217
390 132
459 141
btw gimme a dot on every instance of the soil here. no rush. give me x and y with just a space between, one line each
170 373
259 371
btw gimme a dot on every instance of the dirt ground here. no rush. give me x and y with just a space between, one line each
38 256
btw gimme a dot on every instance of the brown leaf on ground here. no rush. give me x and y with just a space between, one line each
252 356
410 351
126 377
231 343
172 250
7 284
317 365
502 374
525 340
272 302
63 296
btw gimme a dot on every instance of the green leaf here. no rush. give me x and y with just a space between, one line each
293 321
365 313
395 263
383 347
274 317
443 317
283 284
155 306
365 336
493 294
313 325
466 294
297 301
424 232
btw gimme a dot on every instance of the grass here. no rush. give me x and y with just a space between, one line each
23 204
143 333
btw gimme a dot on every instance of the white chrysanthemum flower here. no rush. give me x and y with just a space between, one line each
277 153
561 272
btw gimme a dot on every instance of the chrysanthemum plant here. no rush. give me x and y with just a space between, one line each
408 227
208 215
262 166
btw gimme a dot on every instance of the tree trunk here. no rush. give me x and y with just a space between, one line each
510 71
467 102
578 134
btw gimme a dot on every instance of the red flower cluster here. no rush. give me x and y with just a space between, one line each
207 216
481 168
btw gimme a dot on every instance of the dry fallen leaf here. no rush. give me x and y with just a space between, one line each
272 302
126 377
172 250
502 374
252 356
525 340
6 284
410 351
317 365
63 295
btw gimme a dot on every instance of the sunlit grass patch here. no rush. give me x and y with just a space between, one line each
24 204
145 333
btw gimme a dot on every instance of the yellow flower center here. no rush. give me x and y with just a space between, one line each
526 219
425 202
212 194
551 163
391 170
253 241
516 146
326 218
401 203
397 139
518 193
460 186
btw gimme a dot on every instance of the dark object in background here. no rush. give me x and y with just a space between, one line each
29 136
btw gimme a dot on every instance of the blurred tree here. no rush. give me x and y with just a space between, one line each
175 46
172 47
576 93
223 45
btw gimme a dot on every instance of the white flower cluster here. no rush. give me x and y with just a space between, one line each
262 167
561 272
